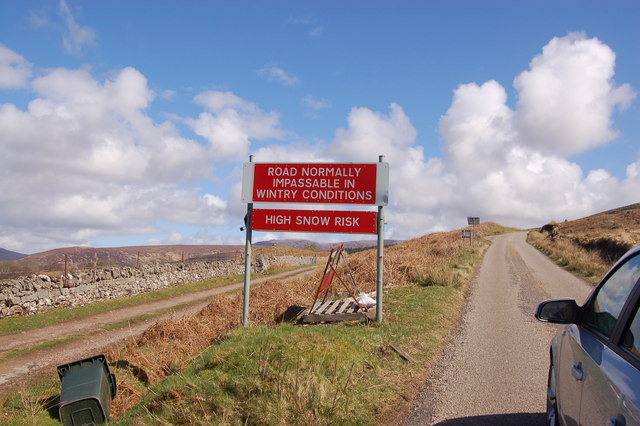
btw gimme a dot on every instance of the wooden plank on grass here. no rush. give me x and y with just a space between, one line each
332 318
344 316
322 308
345 304
333 307
403 354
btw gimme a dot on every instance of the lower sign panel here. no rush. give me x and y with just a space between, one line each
338 222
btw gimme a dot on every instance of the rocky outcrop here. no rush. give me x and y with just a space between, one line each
551 229
38 293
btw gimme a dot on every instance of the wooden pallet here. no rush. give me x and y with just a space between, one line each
336 310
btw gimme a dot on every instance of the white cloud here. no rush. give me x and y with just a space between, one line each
631 184
506 165
315 104
15 71
215 202
168 94
371 134
39 19
477 128
308 21
75 37
84 159
510 163
230 123
201 237
567 96
316 32
420 190
216 102
305 19
275 73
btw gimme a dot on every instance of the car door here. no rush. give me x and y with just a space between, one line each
600 364
569 387
630 346
611 392
586 346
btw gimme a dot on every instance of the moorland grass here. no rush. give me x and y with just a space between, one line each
323 374
585 264
274 373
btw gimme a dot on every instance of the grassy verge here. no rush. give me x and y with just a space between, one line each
570 256
327 374
56 316
307 375
184 371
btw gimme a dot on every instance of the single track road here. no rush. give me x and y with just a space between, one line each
494 368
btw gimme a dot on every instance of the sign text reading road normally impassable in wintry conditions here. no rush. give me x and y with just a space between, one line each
323 183
342 222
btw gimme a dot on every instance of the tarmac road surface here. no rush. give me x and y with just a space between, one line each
494 368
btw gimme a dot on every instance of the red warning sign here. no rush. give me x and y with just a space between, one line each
341 222
320 183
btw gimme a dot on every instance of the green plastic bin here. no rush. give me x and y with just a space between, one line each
87 391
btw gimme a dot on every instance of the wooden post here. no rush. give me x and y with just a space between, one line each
65 270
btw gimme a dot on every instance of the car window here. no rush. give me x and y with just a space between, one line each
603 312
630 340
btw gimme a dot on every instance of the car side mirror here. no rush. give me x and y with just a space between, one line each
557 311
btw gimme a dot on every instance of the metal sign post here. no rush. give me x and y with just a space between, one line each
473 221
379 277
247 264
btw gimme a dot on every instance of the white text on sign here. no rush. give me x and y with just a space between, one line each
314 221
313 183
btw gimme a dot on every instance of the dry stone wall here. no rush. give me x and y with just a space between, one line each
38 293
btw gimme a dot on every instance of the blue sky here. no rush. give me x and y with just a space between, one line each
127 122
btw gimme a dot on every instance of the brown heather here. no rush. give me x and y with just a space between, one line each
589 246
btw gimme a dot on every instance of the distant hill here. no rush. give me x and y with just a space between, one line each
10 255
89 257
349 245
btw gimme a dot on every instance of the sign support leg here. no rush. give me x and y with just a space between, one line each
247 269
247 265
380 259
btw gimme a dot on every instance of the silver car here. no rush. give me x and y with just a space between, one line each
594 371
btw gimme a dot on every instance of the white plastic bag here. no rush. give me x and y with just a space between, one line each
366 301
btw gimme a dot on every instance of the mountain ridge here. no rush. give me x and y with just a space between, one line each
10 255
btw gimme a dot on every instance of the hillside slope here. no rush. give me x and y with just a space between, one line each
10 255
610 233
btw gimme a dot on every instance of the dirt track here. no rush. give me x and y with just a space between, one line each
89 339
494 369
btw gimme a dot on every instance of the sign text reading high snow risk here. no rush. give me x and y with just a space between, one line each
316 183
349 222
